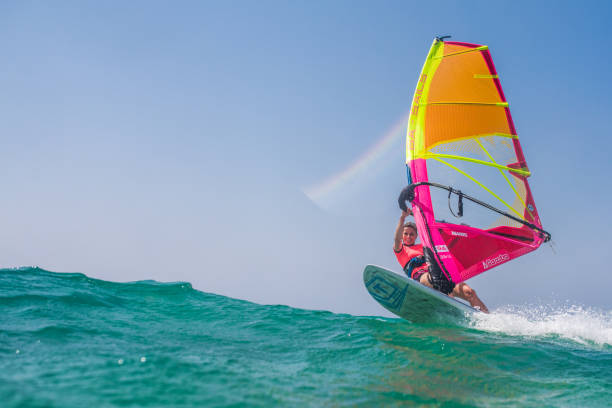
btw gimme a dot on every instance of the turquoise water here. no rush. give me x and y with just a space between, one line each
67 340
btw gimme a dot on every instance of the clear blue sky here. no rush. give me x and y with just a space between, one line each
172 141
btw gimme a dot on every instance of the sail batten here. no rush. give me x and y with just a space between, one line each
482 162
481 48
461 135
501 104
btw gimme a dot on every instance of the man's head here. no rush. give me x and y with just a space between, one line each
410 233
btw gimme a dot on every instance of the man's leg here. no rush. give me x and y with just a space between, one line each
463 291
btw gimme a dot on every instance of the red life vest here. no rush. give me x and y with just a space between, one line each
407 253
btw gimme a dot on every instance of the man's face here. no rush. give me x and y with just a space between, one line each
410 235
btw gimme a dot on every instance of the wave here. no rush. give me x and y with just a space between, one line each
68 334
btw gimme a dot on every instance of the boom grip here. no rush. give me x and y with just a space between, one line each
407 194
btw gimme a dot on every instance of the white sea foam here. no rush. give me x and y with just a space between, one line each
571 322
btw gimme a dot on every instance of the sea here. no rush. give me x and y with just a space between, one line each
68 340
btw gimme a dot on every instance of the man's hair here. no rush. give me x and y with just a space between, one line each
411 225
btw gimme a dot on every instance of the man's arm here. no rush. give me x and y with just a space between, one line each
399 231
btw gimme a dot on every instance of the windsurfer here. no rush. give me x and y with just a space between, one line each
410 256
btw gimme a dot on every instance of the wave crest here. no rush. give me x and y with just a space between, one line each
576 323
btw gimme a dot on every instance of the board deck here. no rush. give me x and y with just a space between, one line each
411 300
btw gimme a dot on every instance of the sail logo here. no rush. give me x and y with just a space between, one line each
411 140
488 263
459 234
441 248
418 93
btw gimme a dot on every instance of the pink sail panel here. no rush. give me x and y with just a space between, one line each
461 135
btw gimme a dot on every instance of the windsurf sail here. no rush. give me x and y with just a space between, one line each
467 173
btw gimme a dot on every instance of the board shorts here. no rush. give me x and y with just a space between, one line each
416 267
416 274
